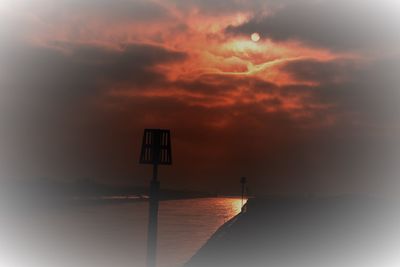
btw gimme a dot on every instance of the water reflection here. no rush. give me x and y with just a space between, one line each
115 234
185 225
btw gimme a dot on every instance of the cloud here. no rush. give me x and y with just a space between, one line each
45 94
80 68
364 95
67 122
311 70
224 85
337 25
77 107
218 8
111 11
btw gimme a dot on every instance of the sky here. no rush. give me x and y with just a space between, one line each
310 107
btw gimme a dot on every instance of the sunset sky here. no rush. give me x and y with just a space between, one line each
312 105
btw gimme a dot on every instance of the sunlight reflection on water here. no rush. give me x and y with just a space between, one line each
185 225
116 234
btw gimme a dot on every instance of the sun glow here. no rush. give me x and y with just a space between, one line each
243 46
255 37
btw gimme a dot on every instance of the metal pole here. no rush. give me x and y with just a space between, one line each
242 194
153 217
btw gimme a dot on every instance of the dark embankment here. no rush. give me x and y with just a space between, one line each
339 231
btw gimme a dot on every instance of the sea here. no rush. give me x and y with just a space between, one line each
116 234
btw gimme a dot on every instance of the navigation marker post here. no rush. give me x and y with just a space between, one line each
156 150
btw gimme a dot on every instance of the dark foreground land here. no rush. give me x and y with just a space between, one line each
339 231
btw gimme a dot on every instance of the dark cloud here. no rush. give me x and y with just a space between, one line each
60 120
119 11
363 94
208 140
46 94
336 71
338 25
274 148
64 123
82 69
225 84
220 7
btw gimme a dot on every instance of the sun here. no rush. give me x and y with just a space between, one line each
255 37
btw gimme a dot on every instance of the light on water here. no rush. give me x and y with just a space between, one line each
185 225
115 234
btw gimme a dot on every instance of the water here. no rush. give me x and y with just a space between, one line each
185 225
115 235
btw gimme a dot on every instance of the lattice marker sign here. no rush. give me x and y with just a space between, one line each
156 147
